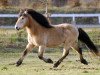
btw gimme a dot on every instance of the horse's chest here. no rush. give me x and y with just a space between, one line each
34 40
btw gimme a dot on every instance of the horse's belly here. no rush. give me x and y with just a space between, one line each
55 41
54 44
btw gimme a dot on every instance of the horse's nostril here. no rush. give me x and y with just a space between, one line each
17 28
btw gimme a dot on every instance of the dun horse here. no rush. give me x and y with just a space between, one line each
41 34
83 37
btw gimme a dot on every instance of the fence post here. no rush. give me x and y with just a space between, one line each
73 20
99 19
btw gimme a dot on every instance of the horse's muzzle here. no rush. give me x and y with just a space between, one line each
17 28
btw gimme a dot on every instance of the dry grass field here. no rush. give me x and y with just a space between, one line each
33 66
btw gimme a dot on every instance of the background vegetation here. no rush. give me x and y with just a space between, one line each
57 6
54 6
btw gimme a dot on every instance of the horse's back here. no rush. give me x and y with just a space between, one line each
67 26
68 29
64 25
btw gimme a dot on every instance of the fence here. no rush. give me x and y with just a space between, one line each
73 16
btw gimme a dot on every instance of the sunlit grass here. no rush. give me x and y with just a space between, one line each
33 66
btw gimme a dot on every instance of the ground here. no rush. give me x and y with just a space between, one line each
33 66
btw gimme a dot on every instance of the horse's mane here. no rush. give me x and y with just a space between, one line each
39 18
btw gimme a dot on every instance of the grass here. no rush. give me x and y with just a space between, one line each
12 43
10 38
33 66
94 34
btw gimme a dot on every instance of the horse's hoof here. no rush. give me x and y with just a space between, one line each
56 64
19 62
84 62
49 61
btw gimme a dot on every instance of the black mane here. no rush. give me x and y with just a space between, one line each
39 18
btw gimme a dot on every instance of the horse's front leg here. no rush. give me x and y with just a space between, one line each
28 49
65 53
40 55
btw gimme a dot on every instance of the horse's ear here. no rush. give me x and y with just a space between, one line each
21 10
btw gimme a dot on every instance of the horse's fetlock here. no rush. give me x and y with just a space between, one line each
19 62
40 57
84 61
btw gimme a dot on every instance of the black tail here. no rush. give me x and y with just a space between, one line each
83 37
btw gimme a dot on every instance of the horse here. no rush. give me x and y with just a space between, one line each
83 37
41 34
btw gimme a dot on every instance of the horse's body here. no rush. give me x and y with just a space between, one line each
42 35
52 37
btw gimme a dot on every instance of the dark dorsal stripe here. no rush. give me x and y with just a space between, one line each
39 18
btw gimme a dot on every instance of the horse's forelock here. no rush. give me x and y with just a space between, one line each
22 12
25 12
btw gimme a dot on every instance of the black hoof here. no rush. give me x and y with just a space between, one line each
19 62
49 61
84 62
56 64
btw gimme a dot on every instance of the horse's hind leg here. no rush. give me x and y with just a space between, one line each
79 50
65 53
28 49
40 55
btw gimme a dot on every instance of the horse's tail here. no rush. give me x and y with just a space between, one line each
83 37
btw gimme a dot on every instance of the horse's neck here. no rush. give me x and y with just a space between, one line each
34 28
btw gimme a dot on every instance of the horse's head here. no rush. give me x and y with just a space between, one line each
22 21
